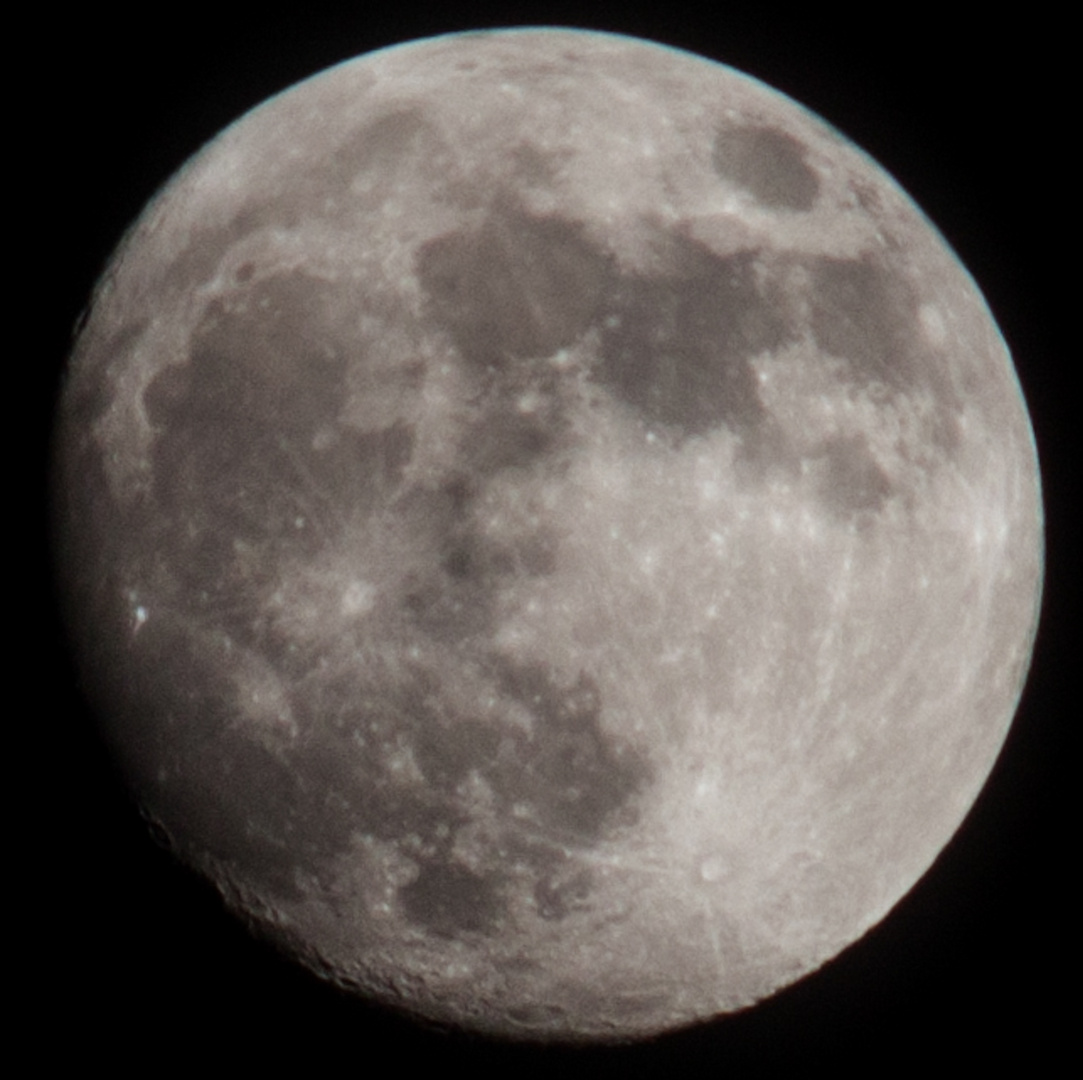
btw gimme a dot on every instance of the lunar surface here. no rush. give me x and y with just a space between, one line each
549 529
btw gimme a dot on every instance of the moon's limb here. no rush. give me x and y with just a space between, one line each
519 538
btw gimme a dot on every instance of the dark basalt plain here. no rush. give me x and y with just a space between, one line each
517 287
250 467
864 314
768 164
677 347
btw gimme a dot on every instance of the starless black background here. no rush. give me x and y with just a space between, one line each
120 952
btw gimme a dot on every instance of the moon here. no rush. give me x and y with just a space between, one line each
550 531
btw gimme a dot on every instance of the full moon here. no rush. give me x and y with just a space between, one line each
549 530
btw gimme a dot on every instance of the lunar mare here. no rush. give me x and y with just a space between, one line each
549 529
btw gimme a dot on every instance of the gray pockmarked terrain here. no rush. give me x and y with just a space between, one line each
549 529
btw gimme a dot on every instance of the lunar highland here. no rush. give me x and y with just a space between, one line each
549 529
